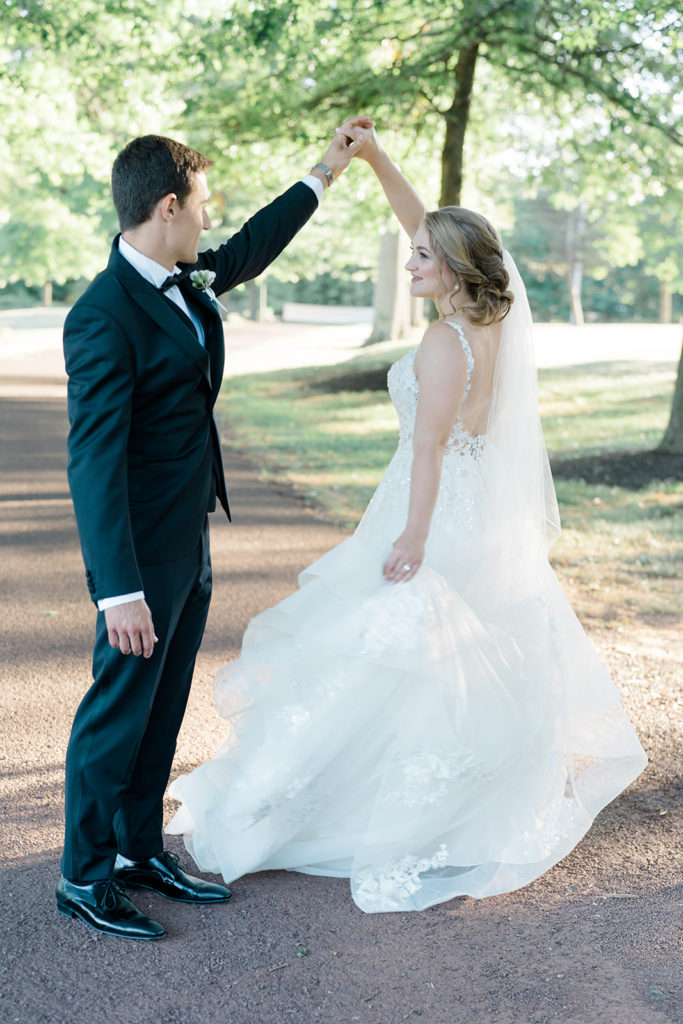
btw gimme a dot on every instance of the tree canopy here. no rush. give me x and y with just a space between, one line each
415 69
576 100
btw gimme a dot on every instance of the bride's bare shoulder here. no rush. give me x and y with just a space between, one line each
442 335
442 338
440 351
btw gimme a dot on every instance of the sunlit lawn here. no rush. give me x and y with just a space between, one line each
621 550
331 445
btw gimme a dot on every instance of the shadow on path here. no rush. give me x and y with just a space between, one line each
596 939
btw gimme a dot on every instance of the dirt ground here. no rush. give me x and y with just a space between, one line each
597 940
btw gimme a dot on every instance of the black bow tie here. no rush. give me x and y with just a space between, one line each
174 279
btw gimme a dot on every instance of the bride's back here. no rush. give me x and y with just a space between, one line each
483 342
474 284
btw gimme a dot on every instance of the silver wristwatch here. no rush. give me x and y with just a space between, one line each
326 171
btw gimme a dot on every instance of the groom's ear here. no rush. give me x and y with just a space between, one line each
167 206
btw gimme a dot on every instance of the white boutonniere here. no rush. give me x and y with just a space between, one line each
202 281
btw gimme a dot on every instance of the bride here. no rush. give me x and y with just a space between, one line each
425 715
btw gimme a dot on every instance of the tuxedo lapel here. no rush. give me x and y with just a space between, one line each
152 302
175 308
199 296
213 332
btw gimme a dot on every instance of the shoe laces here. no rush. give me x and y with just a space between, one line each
171 858
112 891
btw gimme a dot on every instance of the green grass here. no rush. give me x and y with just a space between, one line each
332 446
621 551
622 548
613 405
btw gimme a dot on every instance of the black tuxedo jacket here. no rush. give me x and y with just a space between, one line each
144 453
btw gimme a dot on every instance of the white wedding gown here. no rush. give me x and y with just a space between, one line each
427 739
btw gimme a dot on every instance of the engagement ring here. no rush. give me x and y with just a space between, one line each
408 568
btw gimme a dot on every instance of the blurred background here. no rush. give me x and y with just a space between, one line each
558 121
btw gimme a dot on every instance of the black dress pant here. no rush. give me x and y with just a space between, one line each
124 734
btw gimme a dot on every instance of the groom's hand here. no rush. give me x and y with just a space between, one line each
340 153
362 126
130 628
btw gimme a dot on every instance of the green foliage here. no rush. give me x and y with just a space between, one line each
659 224
77 79
573 100
615 62
348 287
619 282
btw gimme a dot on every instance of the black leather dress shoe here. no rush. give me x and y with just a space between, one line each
164 875
104 906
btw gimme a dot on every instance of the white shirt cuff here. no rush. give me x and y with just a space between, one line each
316 184
111 602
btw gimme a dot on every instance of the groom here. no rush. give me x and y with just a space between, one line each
144 354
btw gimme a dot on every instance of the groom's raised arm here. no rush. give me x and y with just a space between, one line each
263 237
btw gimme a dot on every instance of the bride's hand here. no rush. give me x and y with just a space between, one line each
405 559
362 125
340 152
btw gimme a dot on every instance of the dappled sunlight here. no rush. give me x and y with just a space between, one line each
336 478
363 420
623 406
623 548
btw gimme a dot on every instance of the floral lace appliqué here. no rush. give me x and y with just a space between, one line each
428 778
393 884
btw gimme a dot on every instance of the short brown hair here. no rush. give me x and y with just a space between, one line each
149 168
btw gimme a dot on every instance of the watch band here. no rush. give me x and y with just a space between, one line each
326 171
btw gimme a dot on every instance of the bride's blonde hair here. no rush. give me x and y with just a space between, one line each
468 244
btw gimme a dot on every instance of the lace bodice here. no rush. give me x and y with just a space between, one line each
404 391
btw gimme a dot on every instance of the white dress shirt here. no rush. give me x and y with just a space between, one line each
156 275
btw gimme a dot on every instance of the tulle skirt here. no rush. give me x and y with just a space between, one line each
416 738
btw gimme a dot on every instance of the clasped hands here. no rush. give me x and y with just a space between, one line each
354 136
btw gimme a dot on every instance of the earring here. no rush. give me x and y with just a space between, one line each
457 286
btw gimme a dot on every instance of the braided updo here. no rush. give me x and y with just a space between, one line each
468 244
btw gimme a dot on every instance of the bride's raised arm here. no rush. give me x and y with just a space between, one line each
402 197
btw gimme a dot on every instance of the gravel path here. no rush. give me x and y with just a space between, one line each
598 939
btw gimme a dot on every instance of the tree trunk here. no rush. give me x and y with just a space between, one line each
665 303
47 293
417 311
258 298
391 298
576 226
673 436
457 117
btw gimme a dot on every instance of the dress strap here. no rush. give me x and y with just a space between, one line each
468 355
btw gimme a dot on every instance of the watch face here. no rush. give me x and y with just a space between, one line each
327 172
